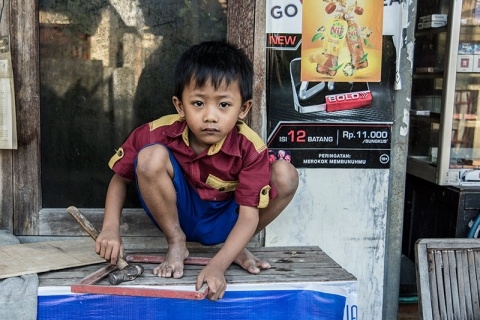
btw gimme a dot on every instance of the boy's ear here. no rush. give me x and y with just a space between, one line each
245 109
179 106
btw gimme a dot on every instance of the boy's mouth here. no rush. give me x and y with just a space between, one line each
210 130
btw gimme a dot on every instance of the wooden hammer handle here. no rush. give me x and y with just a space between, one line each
77 215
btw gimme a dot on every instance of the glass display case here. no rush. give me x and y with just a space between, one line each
444 136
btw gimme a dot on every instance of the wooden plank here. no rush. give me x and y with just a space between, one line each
440 294
474 264
26 159
137 230
259 111
425 278
240 25
240 31
309 265
432 288
451 243
6 191
57 222
463 284
6 156
20 259
452 265
470 274
447 284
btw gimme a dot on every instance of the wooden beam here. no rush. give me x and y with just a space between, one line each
246 29
6 156
26 160
259 110
240 31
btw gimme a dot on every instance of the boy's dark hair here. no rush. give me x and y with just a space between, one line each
214 61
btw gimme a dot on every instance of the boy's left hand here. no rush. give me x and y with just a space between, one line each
215 279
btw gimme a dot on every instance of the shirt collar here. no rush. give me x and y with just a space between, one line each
229 144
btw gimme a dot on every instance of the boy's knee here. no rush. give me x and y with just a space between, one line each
152 159
284 176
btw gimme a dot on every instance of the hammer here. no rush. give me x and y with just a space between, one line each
126 272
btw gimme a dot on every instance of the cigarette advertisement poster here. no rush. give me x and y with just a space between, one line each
342 40
328 123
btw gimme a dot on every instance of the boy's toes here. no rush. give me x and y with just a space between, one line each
264 265
253 269
168 271
258 265
178 274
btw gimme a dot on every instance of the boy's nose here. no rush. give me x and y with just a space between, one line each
210 114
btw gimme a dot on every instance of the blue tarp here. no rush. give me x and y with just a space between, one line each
255 304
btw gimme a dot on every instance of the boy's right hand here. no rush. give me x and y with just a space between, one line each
109 245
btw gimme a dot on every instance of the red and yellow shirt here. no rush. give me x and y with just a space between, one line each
236 166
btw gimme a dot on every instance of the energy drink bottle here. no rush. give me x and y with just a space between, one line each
354 43
333 43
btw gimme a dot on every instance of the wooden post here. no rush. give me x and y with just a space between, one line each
26 159
6 156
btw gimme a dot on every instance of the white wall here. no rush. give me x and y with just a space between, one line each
343 211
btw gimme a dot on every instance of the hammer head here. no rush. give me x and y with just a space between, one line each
129 273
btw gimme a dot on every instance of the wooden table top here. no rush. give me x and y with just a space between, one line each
289 264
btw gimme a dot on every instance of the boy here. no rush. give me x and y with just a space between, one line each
202 174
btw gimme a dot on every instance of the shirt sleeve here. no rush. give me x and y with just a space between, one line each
122 162
254 188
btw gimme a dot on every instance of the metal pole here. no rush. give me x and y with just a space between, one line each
398 169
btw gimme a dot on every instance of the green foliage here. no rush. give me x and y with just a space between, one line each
364 58
318 36
368 44
336 68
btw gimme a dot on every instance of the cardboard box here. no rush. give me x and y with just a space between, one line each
465 63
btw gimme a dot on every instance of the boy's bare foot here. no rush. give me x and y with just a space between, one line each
173 264
249 262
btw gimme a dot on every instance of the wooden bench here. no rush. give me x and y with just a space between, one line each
448 278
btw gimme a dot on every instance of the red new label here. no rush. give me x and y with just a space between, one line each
347 101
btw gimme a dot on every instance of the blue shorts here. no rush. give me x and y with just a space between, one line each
207 222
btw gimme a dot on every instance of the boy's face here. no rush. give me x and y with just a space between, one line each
210 113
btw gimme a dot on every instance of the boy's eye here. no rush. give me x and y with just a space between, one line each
197 103
224 104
